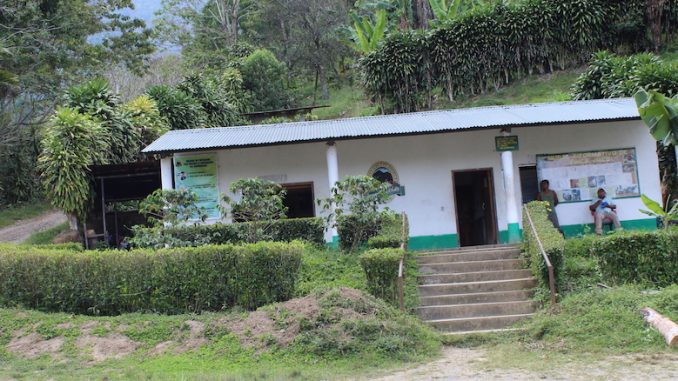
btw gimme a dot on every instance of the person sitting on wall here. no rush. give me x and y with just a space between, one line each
603 208
546 194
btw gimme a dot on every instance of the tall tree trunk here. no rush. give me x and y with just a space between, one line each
655 11
423 14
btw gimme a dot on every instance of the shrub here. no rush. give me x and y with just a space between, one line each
361 196
167 281
390 233
383 242
649 258
354 230
381 271
551 239
286 230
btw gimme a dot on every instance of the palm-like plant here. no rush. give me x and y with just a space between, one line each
369 32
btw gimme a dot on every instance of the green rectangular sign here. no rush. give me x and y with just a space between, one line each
506 143
198 173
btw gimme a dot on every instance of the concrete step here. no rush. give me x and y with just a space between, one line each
476 310
477 297
473 266
478 276
468 249
474 287
482 331
484 255
477 323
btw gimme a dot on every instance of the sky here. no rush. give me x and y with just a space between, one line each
144 9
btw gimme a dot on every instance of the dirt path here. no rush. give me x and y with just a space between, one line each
459 364
20 231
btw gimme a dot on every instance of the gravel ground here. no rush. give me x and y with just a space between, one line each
20 231
458 364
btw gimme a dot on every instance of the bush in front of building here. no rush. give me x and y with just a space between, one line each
285 230
391 232
647 258
171 281
551 239
381 271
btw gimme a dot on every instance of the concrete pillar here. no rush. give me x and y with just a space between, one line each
511 200
332 177
166 175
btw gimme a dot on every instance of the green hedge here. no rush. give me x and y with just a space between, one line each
170 281
648 258
551 239
390 233
381 270
489 47
286 230
384 231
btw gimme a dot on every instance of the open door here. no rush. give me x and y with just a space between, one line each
476 211
299 200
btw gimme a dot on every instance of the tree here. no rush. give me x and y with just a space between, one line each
206 30
146 118
213 98
264 78
73 142
171 207
260 203
53 43
181 110
96 99
354 208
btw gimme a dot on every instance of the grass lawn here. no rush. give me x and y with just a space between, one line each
12 214
46 237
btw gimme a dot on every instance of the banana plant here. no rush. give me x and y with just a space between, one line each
667 215
660 114
367 32
449 9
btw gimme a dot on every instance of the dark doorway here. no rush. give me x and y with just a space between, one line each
528 183
474 200
299 200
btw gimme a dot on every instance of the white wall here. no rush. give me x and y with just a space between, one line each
425 164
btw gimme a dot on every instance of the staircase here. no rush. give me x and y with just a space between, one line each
476 289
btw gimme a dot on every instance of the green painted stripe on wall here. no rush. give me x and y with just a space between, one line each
434 242
577 230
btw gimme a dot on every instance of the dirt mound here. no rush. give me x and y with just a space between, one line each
280 324
107 347
33 345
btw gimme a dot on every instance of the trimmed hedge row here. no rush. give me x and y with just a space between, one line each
551 239
286 230
383 232
171 281
381 270
391 233
648 258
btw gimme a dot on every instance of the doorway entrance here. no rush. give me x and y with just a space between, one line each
299 200
476 211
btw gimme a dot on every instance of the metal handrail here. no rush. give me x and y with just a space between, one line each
400 281
549 266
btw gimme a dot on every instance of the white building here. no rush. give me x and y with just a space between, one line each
459 189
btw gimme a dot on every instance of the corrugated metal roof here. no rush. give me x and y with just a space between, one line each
427 122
